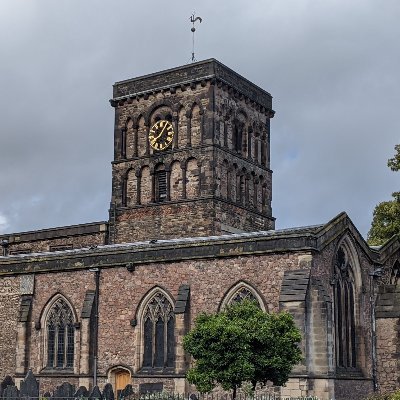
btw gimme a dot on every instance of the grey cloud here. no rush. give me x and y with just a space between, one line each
331 66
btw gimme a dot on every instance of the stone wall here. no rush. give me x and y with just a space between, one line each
388 351
57 239
10 295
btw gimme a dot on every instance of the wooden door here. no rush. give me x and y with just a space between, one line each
122 378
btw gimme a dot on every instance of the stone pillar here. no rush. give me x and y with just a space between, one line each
135 140
138 185
189 129
84 353
175 125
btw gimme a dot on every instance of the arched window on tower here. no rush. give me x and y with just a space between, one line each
158 333
344 280
60 334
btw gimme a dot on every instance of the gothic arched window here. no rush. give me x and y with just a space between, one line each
60 332
344 310
158 333
239 292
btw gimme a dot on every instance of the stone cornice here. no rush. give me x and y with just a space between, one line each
173 250
186 75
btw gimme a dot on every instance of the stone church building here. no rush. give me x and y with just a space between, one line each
191 230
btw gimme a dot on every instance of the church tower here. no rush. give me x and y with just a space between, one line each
191 155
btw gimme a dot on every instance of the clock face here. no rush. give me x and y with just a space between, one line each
161 135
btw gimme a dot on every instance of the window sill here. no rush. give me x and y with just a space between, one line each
158 372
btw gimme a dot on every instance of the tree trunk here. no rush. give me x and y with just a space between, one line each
234 393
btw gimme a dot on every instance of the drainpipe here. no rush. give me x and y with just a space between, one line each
96 323
377 273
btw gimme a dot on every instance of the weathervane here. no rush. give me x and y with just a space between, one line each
193 19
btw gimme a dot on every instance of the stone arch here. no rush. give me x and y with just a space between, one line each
239 138
195 113
159 104
192 178
347 284
145 185
148 318
242 290
182 126
176 181
112 377
58 330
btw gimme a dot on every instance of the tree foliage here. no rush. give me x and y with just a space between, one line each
242 344
394 163
386 216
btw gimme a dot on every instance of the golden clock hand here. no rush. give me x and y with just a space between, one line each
159 134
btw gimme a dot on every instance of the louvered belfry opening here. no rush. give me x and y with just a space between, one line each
161 182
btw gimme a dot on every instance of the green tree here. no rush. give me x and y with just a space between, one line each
242 344
386 216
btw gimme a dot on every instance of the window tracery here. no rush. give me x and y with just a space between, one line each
60 335
158 333
344 310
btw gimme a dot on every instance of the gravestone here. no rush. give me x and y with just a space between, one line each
29 386
128 391
65 390
108 392
81 392
96 394
10 393
7 381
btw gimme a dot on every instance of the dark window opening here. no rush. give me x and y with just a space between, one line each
346 354
124 192
60 336
237 139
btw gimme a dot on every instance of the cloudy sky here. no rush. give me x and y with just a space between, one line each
332 66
